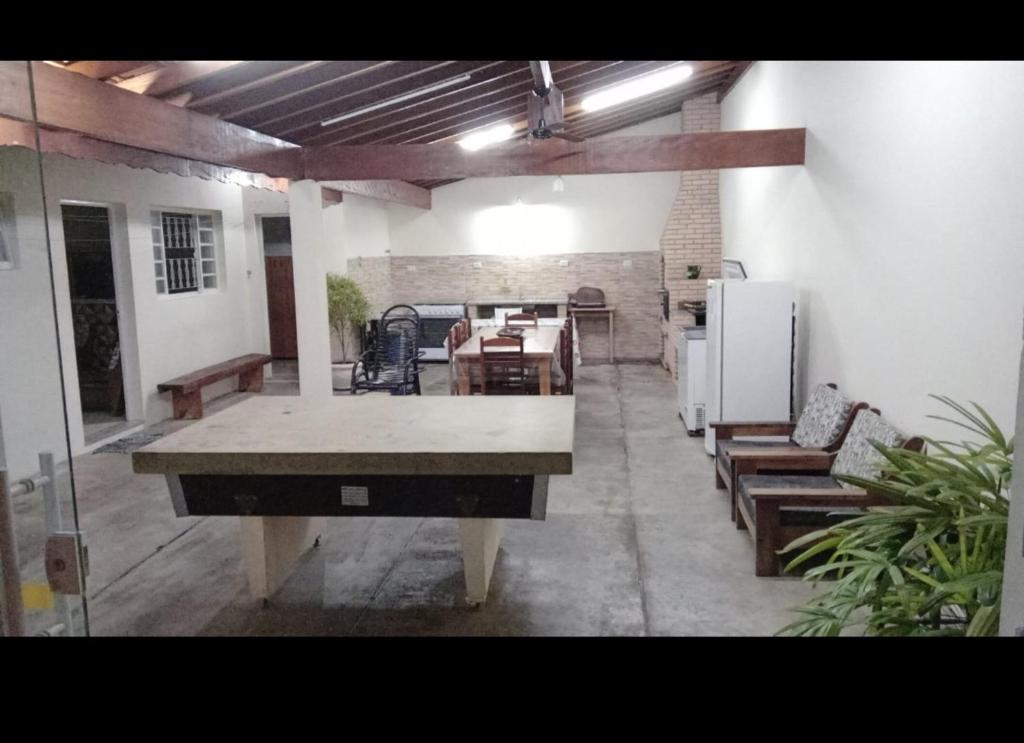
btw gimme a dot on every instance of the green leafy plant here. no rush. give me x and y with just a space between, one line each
346 307
932 562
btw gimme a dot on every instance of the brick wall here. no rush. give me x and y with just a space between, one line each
693 234
630 282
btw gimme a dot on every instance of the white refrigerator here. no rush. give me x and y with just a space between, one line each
749 352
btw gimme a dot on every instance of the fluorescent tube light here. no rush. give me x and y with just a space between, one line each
484 137
636 88
398 99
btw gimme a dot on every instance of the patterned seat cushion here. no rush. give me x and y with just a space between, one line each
857 456
823 417
724 449
812 516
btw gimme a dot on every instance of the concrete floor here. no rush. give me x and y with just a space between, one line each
636 542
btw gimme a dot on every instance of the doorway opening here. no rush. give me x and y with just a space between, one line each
88 248
277 256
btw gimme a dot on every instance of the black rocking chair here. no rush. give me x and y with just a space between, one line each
392 363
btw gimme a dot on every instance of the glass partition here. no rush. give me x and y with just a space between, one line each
41 548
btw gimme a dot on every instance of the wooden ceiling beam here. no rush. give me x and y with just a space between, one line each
329 197
22 134
738 72
705 151
167 79
76 103
395 191
101 70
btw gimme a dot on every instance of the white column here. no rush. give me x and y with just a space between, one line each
309 245
1011 615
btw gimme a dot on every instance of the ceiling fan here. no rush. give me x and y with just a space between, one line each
545 109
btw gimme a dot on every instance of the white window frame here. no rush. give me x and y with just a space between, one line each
207 263
8 239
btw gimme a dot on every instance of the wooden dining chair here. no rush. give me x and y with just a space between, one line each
521 319
566 358
565 388
502 366
453 343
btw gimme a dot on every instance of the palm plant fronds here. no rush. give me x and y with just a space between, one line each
931 562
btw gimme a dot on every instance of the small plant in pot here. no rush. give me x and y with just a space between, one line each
347 308
932 562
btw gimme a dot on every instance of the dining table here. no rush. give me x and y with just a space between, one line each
540 350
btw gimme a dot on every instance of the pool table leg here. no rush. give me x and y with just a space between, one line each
272 545
480 539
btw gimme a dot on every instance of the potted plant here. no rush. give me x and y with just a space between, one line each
347 308
932 562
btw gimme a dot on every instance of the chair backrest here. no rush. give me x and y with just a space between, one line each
857 456
453 341
521 318
464 330
824 417
400 310
398 341
588 295
565 359
501 364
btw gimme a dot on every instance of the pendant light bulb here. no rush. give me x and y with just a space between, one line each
559 185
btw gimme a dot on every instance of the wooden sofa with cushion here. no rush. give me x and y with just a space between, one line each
822 427
778 508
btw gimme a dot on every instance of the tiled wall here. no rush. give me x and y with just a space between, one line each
693 234
630 281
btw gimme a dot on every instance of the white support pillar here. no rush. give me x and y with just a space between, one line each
309 244
1011 615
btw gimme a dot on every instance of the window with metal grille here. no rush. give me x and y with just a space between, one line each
6 231
184 252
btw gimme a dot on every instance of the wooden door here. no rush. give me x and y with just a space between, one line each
281 307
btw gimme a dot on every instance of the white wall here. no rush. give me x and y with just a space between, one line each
30 392
595 213
176 334
359 227
903 231
173 334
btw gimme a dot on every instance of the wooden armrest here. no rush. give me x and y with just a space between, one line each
779 452
729 429
821 497
751 461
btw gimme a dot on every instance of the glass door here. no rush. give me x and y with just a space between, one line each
42 555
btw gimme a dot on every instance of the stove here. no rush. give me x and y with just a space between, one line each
435 322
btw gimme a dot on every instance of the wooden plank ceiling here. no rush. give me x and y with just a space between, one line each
289 99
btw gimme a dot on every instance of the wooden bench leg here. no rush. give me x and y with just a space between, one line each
188 404
251 380
766 562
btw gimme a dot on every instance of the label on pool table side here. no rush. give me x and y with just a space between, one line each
355 496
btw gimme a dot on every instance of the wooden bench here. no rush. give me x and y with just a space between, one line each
187 390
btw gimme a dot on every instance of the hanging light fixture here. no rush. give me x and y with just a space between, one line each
559 185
